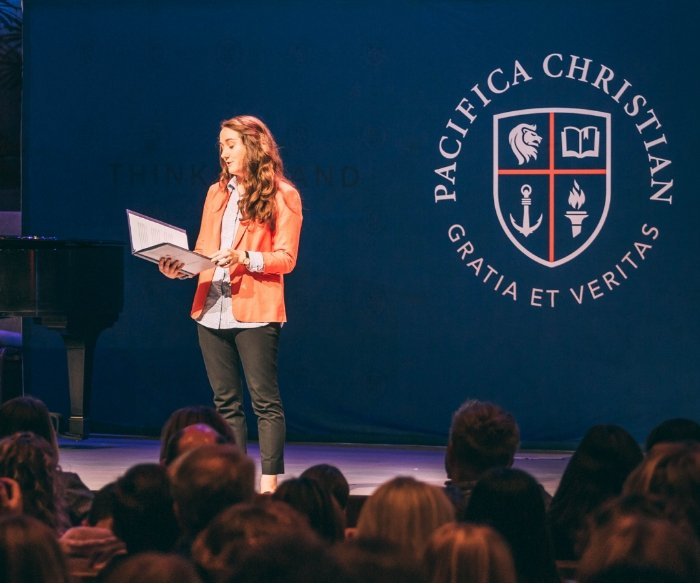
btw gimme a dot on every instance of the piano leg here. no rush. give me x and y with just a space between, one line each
80 351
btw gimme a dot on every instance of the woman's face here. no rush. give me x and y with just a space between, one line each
233 152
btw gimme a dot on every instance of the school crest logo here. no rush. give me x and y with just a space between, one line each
551 180
546 171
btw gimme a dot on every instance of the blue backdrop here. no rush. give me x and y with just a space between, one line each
410 294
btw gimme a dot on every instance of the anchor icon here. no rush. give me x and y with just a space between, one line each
526 229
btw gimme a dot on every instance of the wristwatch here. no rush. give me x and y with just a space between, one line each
246 260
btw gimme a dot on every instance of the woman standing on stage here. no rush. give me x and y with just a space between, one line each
250 229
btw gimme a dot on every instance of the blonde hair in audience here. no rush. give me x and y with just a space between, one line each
671 469
467 552
639 543
405 512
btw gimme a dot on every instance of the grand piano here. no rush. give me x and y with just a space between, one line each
73 287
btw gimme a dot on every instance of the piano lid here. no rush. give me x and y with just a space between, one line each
48 242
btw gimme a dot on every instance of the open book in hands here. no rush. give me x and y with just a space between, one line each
152 240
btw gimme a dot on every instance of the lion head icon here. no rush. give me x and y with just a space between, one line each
524 141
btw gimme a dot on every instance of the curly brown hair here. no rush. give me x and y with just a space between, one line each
31 461
264 170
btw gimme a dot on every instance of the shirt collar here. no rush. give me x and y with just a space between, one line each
232 184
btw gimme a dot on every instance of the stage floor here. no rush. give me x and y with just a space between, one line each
101 459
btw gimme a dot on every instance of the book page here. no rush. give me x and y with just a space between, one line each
147 232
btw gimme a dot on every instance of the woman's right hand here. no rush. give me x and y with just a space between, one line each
170 268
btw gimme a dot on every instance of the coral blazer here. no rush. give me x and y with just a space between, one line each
255 296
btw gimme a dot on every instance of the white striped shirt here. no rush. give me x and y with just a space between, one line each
217 313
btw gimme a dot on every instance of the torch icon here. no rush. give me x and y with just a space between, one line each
576 200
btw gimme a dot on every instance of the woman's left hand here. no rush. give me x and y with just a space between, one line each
228 257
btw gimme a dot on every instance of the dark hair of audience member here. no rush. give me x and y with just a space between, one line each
332 479
405 512
377 560
101 513
630 545
30 460
673 430
207 480
219 546
671 472
151 567
190 437
482 436
27 414
596 472
467 552
287 559
143 515
320 507
189 415
511 501
29 551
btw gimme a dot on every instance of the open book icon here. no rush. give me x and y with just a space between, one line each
580 142
152 239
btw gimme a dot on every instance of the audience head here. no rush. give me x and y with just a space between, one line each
309 498
619 509
101 512
208 479
143 515
189 415
377 560
512 501
467 552
29 551
151 567
628 546
482 436
27 414
595 473
31 461
221 544
671 472
190 437
332 480
405 512
287 559
673 430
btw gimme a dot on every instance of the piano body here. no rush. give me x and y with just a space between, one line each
73 287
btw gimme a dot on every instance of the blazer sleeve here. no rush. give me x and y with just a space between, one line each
285 240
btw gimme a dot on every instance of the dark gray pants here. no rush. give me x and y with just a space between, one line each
226 352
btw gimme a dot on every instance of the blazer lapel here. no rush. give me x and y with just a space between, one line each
240 232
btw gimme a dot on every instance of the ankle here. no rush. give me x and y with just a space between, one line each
268 483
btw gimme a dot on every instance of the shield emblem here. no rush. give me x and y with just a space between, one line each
551 180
